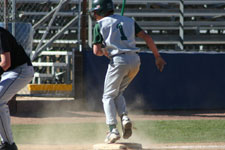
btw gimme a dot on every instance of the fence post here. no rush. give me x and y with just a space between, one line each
181 26
14 17
12 103
83 24
78 80
90 27
6 14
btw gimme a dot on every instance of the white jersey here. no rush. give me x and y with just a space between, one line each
118 33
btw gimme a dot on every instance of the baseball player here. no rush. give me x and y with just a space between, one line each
16 71
114 37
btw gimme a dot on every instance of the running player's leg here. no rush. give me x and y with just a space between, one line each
133 69
113 79
134 65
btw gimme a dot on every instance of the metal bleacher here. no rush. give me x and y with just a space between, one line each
51 72
180 25
56 32
204 26
187 25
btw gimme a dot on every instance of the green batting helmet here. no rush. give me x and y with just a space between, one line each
102 7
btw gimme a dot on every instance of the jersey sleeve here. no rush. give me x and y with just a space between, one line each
137 28
4 45
97 37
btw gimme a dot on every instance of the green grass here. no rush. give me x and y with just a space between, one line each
78 133
176 131
183 131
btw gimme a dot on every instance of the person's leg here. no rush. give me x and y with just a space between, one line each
112 84
11 83
113 80
120 104
5 128
134 66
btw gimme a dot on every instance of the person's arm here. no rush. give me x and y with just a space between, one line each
160 62
97 49
5 62
97 42
150 43
5 47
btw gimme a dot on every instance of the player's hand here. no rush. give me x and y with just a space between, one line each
160 63
106 54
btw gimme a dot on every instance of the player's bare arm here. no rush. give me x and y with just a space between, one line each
5 61
159 61
99 51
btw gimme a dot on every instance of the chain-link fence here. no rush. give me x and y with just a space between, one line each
5 12
53 26
48 20
49 32
196 24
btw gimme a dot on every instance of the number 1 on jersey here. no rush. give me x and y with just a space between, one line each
120 27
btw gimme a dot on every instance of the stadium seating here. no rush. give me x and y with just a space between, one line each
180 25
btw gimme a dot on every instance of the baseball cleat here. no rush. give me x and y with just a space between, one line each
126 126
112 136
7 146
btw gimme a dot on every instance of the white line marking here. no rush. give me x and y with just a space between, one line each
189 147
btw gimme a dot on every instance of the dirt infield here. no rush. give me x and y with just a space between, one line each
54 147
186 146
67 110
79 116
67 115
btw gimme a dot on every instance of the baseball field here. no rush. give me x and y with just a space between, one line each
80 130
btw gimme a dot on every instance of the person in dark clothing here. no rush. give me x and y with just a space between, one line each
16 72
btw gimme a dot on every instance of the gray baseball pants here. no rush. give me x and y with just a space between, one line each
121 71
11 82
